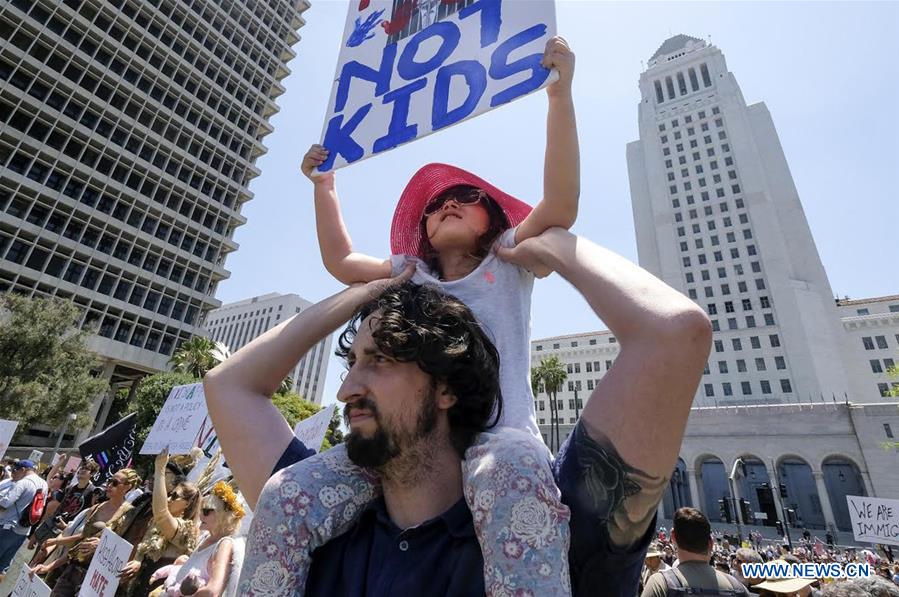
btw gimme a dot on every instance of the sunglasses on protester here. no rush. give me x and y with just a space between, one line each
207 511
468 197
113 482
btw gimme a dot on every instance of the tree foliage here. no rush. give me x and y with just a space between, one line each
198 355
550 374
295 409
46 369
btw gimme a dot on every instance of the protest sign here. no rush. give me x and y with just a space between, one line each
408 68
35 456
7 430
102 578
72 464
29 586
111 449
874 520
179 422
311 431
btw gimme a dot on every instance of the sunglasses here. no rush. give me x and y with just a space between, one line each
114 482
469 197
177 496
208 511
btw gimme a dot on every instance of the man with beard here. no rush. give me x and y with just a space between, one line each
421 383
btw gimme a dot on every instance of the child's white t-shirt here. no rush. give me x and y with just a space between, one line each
499 295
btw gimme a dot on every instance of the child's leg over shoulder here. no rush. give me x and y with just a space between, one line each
520 522
301 508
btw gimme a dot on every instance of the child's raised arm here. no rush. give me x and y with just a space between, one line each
561 168
334 241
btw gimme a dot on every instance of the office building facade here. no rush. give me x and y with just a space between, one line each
236 324
128 134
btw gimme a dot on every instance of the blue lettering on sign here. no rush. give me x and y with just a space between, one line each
399 130
409 69
339 133
380 77
475 76
499 69
363 30
491 19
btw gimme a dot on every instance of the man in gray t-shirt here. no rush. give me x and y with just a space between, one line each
15 500
692 536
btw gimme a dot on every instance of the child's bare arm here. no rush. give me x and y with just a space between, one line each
334 241
561 169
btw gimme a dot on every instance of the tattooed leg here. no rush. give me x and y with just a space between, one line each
626 498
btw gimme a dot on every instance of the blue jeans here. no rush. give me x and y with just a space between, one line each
10 542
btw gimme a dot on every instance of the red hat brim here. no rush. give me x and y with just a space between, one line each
426 184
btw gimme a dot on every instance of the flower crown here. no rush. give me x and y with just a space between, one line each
224 492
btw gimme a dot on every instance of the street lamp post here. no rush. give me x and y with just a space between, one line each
65 425
733 497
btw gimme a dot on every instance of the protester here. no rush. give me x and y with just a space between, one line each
653 561
406 364
861 587
747 556
213 569
692 534
172 532
447 221
64 505
15 501
83 544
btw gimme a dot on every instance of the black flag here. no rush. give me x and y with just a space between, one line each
111 448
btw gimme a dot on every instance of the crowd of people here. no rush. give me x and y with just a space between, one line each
182 533
693 556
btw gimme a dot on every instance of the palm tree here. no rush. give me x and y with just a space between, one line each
552 375
198 355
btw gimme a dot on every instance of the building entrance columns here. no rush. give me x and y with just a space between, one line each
824 498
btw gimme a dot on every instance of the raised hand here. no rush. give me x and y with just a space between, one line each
558 55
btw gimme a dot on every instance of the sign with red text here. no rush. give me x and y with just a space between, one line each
408 68
311 431
29 586
7 430
179 421
102 578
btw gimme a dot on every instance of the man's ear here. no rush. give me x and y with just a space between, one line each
446 399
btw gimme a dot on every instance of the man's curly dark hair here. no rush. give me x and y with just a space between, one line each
438 332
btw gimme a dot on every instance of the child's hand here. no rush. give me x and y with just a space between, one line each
559 56
314 158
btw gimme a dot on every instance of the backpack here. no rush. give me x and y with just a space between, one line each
675 588
32 513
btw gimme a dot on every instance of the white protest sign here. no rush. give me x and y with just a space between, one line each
312 431
7 429
29 586
179 421
102 578
35 456
408 68
874 520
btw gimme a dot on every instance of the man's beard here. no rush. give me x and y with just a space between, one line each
387 443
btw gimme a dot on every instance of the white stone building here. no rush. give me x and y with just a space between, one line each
236 324
718 217
872 329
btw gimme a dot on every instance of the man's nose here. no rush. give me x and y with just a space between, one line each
353 387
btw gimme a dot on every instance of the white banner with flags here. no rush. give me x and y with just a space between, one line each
408 68
7 430
311 431
874 520
102 578
29 586
180 421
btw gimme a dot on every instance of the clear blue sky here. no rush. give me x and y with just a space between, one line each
827 71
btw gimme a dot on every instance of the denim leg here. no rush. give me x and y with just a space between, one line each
521 524
301 508
10 542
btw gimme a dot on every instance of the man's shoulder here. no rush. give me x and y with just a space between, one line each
657 585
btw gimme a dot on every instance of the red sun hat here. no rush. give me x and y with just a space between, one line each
427 184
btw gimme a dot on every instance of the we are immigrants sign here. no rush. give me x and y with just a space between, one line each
408 68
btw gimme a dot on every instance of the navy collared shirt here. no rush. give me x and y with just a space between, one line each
442 556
